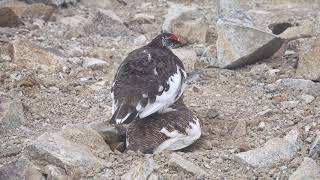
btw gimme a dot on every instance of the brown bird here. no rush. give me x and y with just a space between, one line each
168 131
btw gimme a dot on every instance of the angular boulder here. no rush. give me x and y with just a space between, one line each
8 18
186 22
11 114
239 45
274 151
20 169
309 59
78 150
308 170
26 55
106 23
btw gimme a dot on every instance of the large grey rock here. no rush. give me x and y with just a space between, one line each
75 149
178 161
186 22
306 86
9 18
20 169
308 170
56 3
11 114
309 61
274 151
232 11
27 55
238 45
106 23
144 170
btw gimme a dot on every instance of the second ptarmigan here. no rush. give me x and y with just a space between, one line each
149 80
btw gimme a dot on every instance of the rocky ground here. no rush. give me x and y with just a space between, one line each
257 93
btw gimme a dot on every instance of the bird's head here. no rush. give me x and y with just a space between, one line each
167 40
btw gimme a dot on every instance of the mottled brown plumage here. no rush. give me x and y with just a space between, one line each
145 136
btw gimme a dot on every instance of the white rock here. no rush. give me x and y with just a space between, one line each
141 171
179 162
73 21
94 64
140 40
105 4
275 150
308 170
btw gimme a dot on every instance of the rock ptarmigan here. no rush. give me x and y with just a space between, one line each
149 80
169 131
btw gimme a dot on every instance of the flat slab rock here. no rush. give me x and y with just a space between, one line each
274 151
20 169
180 162
239 45
78 150
11 114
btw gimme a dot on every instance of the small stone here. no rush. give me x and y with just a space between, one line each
314 151
261 126
274 151
178 161
11 114
143 170
73 21
140 40
239 45
95 64
307 99
308 170
265 113
212 113
56 173
309 63
8 18
240 129
104 4
106 23
143 18
20 169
